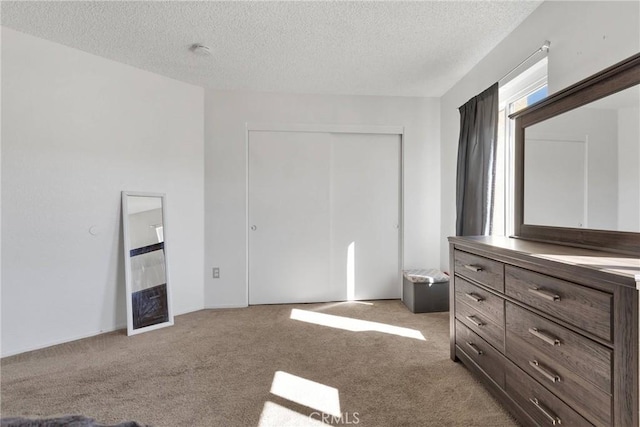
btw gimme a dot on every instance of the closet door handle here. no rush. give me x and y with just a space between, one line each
474 320
475 349
551 340
474 297
553 418
551 376
550 296
472 267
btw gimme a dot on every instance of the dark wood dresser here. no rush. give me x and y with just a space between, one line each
550 330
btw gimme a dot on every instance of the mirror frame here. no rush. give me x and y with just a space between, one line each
616 78
127 261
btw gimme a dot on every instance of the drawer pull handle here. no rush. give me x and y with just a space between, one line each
154 296
475 349
553 418
545 294
474 320
554 378
544 337
473 268
474 297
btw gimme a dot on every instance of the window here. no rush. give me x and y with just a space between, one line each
525 89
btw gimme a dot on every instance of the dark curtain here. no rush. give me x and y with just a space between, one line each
476 163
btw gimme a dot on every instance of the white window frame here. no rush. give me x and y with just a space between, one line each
523 84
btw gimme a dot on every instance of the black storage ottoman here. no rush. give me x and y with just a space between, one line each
425 290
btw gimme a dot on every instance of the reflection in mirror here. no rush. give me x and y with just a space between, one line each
581 167
148 297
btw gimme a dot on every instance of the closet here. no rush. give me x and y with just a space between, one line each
323 216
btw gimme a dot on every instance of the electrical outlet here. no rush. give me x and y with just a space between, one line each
216 272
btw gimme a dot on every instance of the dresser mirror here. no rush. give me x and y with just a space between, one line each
144 227
577 158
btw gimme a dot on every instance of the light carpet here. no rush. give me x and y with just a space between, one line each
365 364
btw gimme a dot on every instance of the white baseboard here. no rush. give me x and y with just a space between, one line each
64 340
102 331
218 306
79 337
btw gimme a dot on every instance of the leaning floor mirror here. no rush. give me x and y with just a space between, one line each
145 260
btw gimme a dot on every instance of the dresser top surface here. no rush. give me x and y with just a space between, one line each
619 264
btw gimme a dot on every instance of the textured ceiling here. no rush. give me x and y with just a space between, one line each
364 48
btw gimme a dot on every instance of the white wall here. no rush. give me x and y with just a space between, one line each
77 130
142 231
585 38
629 169
599 128
225 172
1 97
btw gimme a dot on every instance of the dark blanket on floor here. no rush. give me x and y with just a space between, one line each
68 421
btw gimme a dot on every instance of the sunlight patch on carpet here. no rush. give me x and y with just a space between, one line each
305 392
354 325
274 415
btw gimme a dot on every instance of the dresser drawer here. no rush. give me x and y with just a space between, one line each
586 308
490 305
545 408
483 270
478 350
593 403
579 355
481 324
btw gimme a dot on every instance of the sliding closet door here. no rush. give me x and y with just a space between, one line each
323 216
365 196
289 218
